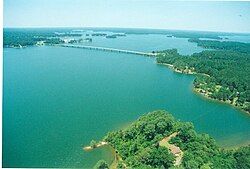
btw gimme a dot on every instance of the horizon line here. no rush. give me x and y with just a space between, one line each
107 27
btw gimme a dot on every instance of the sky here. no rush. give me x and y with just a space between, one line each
159 14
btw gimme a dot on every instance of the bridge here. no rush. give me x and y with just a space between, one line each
109 49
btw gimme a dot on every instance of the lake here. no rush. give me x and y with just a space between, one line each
56 100
147 43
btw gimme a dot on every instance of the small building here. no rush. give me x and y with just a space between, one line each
40 43
175 150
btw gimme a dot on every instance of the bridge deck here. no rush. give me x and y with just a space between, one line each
110 49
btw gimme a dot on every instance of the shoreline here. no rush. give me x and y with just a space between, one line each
196 90
97 145
114 153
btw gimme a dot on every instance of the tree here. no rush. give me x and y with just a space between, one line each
93 143
242 156
101 164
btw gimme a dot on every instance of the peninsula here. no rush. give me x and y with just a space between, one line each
221 74
157 140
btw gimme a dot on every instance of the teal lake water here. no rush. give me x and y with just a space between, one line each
56 100
147 43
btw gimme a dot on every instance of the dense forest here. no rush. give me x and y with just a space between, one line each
23 37
222 74
223 45
138 146
28 37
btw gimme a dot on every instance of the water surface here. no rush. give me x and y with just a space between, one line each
57 100
147 43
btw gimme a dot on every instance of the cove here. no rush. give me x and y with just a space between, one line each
56 100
